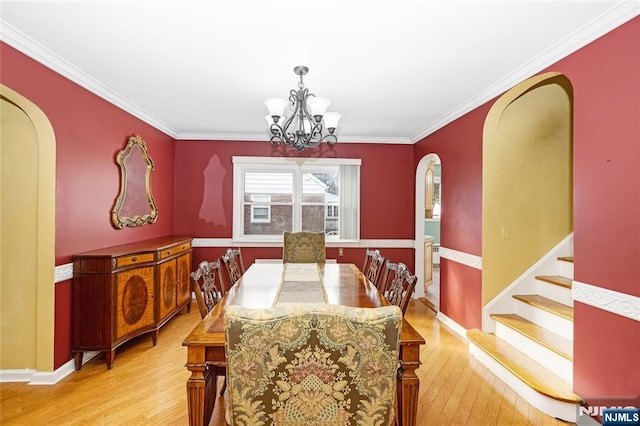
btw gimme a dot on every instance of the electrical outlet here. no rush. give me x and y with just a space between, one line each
340 251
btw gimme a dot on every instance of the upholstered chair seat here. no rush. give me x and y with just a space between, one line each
312 364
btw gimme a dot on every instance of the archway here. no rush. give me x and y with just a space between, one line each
26 122
421 189
527 205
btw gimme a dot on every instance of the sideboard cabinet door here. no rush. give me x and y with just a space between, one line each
174 288
134 301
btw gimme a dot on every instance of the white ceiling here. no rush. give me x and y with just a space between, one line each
397 70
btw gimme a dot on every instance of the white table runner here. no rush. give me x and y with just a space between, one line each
301 283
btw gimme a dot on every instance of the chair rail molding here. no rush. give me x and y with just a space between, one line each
226 242
461 257
612 301
63 272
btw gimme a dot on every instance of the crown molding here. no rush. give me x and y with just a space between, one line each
615 302
614 17
261 137
617 15
36 51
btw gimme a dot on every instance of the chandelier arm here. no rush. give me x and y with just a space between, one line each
330 139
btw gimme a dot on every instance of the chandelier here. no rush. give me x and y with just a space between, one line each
301 126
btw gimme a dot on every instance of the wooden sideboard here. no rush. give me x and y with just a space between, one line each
122 292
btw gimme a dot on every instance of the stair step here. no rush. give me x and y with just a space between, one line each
548 305
523 367
541 335
566 258
557 280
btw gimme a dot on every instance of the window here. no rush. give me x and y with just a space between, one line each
260 208
437 203
274 195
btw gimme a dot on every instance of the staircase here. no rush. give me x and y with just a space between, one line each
531 349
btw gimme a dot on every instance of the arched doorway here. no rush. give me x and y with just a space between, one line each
427 228
527 190
27 257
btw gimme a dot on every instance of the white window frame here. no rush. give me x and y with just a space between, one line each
261 201
333 208
295 165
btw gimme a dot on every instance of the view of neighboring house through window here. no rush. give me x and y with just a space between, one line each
274 195
260 208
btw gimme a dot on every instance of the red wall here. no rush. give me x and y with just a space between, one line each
606 81
204 203
89 132
459 146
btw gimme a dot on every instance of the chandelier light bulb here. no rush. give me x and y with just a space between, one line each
276 106
317 105
331 120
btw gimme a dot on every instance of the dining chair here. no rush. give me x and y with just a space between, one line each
373 267
233 266
304 247
398 284
311 363
208 294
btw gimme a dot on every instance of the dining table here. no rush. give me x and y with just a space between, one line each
264 285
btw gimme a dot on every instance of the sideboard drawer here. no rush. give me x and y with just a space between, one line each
134 259
172 251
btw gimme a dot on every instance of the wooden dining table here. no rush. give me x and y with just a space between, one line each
261 286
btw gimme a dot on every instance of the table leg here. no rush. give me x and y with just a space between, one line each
407 386
201 393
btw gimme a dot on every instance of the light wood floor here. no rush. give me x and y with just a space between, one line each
147 385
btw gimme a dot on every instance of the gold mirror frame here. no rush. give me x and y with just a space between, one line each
135 205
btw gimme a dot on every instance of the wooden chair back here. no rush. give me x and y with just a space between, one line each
233 266
205 284
208 294
373 267
398 284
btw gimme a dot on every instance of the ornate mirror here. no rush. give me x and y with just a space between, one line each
135 205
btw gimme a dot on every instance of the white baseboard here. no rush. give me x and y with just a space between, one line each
34 377
454 326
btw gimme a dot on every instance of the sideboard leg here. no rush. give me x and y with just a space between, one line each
77 358
110 355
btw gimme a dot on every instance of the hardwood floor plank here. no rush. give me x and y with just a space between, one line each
147 385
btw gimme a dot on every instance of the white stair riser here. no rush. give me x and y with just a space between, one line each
556 363
545 319
549 406
555 292
565 269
